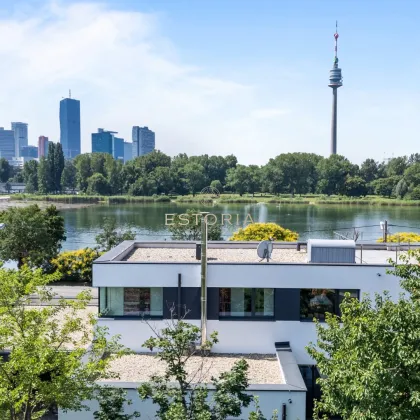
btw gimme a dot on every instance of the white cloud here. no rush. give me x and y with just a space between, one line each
125 73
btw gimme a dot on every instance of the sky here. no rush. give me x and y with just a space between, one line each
242 77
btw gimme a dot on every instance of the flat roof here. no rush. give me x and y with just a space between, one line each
241 252
263 368
213 255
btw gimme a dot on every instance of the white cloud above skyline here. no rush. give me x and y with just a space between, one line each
126 73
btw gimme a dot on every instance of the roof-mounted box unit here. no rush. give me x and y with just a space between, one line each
331 251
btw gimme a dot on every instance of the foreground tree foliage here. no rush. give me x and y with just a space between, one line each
190 399
31 235
110 236
111 404
263 232
369 358
187 227
56 354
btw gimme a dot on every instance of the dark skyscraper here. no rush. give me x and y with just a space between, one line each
70 127
143 141
7 144
336 81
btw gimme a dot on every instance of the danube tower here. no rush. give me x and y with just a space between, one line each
335 82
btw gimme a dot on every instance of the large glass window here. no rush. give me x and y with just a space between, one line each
246 302
131 301
315 303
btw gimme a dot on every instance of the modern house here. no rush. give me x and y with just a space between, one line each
258 307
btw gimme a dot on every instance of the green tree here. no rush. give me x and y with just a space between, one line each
355 186
369 357
194 176
113 170
396 166
97 185
253 183
163 179
58 167
45 182
236 179
30 176
187 401
41 371
111 404
401 188
31 235
5 170
333 173
84 171
110 236
143 186
415 193
69 176
187 227
216 184
7 187
385 186
369 170
97 163
412 175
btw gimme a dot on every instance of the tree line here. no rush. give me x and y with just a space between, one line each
158 173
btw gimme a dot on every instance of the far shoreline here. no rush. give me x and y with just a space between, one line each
81 201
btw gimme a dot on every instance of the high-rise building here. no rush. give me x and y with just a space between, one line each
102 141
7 144
70 127
143 141
21 136
336 81
128 151
118 148
29 152
43 146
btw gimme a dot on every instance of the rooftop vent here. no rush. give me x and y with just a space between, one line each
331 251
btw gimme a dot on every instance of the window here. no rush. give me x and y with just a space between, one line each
131 301
315 303
246 303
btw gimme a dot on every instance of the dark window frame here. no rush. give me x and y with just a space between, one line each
251 317
336 302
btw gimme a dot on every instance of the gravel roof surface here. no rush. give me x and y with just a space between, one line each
263 368
214 255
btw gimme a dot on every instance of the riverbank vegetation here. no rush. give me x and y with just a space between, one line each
157 177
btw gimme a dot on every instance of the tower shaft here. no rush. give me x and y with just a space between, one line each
334 123
335 82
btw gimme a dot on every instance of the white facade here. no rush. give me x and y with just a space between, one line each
257 336
180 272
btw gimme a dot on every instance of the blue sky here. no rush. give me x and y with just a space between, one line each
218 77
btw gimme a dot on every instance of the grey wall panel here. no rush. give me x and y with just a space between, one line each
191 301
287 305
213 303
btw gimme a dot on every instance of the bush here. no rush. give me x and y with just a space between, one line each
264 231
415 194
76 265
403 237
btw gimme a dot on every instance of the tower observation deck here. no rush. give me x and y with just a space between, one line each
336 81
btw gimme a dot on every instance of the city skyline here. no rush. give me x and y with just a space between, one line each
261 75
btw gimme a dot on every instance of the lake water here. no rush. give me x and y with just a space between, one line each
310 221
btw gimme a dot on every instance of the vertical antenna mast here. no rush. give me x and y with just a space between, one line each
70 93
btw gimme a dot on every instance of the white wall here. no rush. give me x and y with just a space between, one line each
145 275
269 400
363 277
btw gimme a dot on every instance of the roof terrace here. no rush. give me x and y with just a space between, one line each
240 252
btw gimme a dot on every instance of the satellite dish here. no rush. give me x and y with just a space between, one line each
264 250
